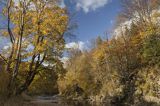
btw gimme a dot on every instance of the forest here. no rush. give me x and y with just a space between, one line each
120 69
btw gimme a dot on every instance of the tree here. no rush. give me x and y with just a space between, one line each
99 40
40 25
139 11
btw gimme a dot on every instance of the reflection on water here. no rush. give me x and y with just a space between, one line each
56 101
82 103
71 103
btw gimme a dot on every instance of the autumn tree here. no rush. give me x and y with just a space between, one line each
131 41
37 25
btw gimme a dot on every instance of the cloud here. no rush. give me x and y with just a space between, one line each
4 44
65 61
90 5
122 28
76 45
62 4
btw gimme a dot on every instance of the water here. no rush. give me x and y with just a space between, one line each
59 101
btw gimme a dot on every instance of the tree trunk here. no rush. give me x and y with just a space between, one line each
27 83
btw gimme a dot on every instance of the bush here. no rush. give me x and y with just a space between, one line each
4 81
45 83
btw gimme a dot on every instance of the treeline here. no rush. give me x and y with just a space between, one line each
124 69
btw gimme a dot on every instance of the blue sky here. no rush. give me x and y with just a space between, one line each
94 18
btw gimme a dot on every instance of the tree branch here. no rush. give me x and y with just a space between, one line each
2 57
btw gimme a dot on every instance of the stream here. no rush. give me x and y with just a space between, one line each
59 101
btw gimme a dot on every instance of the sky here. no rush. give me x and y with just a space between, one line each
93 17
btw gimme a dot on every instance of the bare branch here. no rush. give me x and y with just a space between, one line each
2 57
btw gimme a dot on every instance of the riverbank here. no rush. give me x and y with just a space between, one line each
57 100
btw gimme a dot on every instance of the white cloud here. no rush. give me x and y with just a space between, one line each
6 47
90 5
62 4
122 28
76 45
65 61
